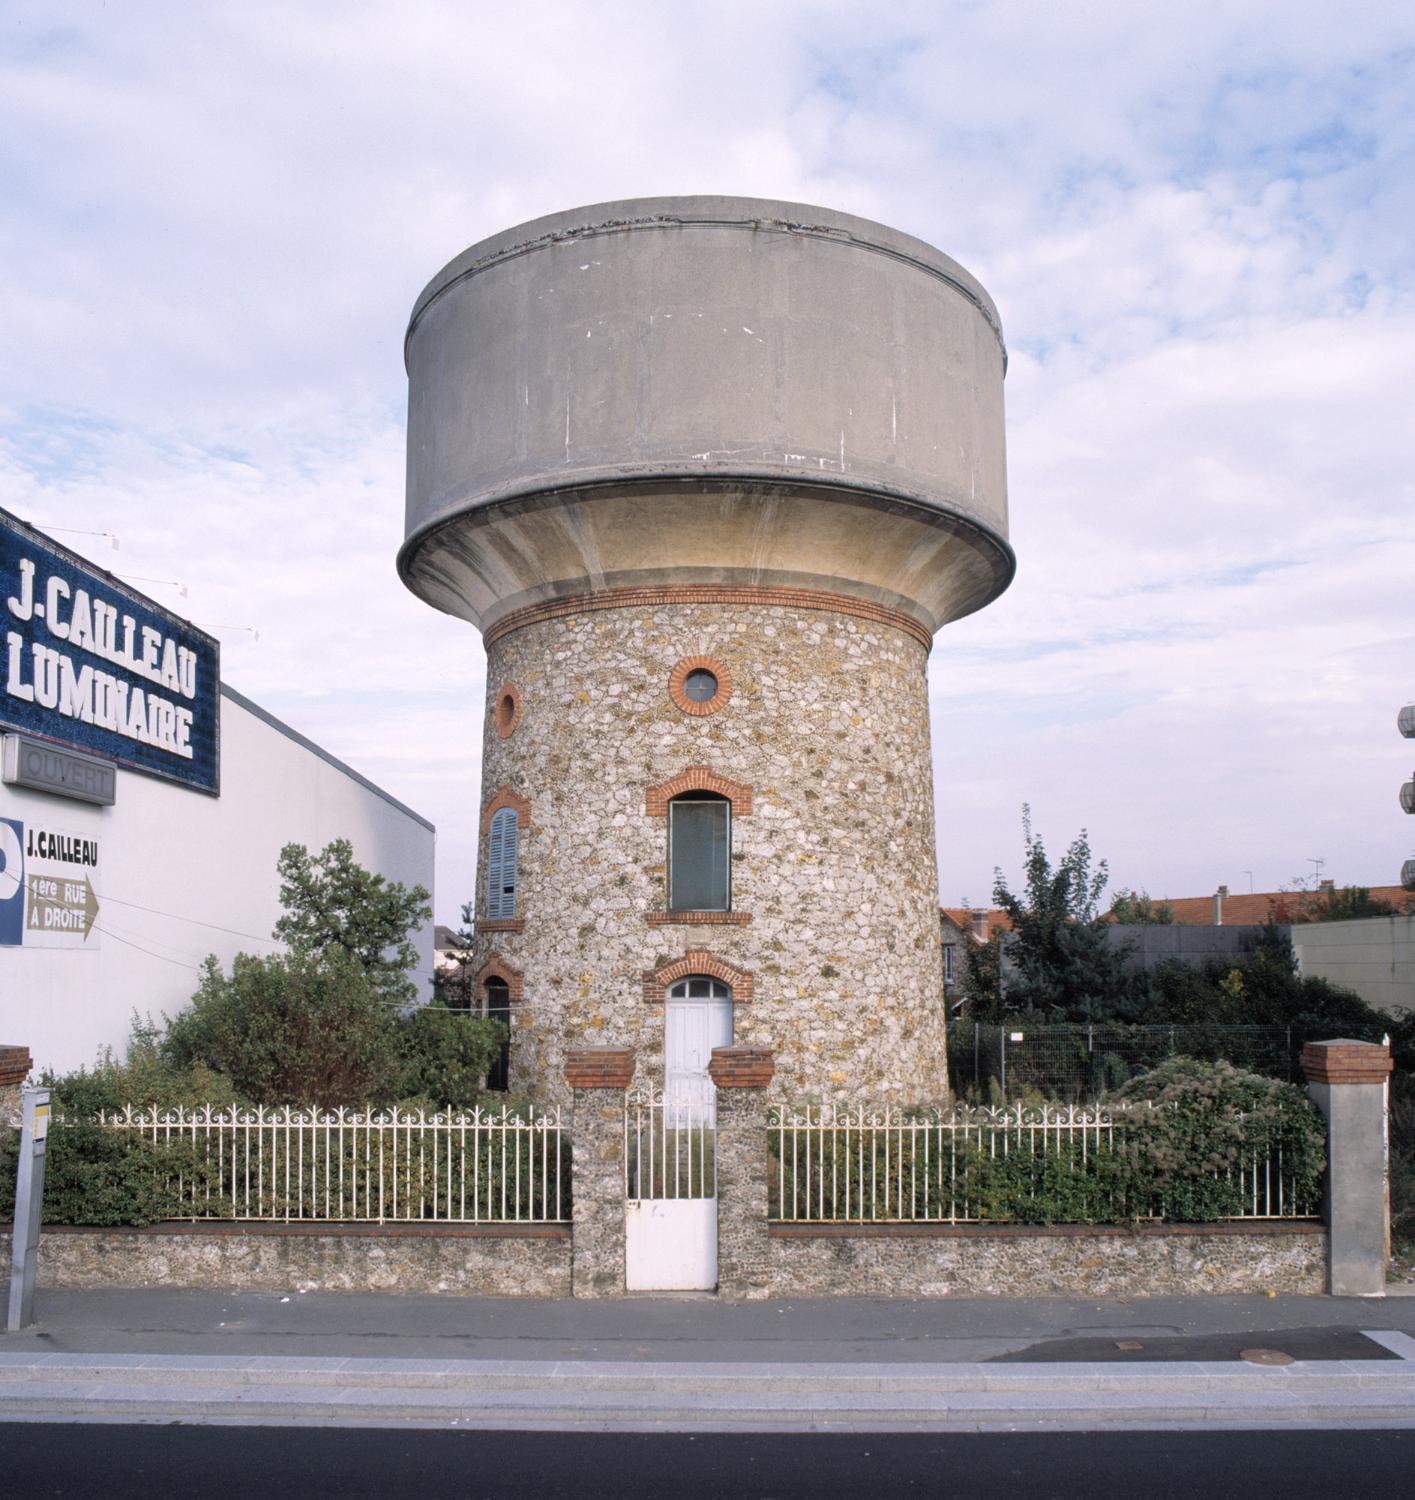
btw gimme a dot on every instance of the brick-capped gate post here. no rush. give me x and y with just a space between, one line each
598 1076
15 1063
1346 1082
740 1075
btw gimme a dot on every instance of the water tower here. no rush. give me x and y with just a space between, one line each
708 474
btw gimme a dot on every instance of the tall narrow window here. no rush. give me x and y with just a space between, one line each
498 1008
501 844
699 852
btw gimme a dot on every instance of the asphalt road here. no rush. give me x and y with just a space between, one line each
213 1463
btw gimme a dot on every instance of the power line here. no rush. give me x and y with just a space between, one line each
195 921
108 932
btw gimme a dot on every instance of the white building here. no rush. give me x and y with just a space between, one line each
108 906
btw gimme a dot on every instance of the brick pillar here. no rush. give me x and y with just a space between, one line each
740 1075
598 1077
1346 1082
15 1063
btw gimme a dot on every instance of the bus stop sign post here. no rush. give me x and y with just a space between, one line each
29 1197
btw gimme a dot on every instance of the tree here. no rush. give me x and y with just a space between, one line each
982 978
1353 901
1060 960
329 1022
332 902
455 986
1261 988
1136 909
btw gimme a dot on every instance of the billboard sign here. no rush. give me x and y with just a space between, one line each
47 898
89 663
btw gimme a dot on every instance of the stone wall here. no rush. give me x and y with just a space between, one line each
528 1262
834 886
854 1262
1063 1261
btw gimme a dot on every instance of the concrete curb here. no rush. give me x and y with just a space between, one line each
610 1395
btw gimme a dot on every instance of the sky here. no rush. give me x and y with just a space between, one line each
1198 224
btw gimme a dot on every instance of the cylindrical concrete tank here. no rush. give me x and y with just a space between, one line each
708 473
723 389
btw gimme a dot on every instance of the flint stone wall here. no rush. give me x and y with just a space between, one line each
1062 1261
745 1265
1022 1262
828 722
454 1262
598 1192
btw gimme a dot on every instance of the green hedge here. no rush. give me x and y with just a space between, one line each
1186 1140
98 1176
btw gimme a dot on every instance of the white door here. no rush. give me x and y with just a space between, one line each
698 1017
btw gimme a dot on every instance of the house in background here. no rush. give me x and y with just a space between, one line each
962 928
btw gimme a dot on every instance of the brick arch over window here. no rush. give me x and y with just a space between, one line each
496 967
696 961
505 797
698 779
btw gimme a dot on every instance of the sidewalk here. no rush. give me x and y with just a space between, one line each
697 1364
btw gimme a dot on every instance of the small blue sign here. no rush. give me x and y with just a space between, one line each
12 883
88 662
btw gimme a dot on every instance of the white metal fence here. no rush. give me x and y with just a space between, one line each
481 1167
855 1165
669 1147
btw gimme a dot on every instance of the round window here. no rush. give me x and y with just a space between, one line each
507 714
700 685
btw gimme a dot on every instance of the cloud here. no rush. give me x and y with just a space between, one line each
215 220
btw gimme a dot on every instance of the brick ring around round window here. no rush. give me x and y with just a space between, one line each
507 713
700 685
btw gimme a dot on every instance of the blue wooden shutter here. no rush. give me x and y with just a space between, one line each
501 849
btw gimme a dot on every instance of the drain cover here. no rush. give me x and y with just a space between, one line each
1128 1344
1266 1357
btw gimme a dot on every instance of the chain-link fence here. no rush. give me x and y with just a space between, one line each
1075 1063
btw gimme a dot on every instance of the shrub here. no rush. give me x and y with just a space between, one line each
146 1076
445 1056
291 1029
1204 1124
93 1175
1183 1135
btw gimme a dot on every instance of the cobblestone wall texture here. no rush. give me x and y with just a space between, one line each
453 1264
598 1192
1048 1263
835 866
745 1263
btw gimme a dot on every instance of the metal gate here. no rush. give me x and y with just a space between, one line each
670 1192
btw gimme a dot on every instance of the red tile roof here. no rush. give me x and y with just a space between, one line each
1258 906
962 918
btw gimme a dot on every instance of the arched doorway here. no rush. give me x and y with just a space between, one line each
496 1005
697 1018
